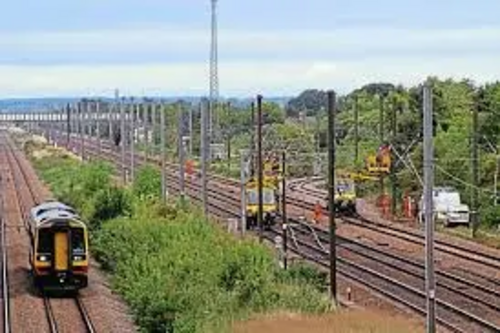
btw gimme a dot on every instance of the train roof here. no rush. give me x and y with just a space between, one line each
54 216
51 206
53 211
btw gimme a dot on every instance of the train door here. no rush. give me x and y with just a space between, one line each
61 250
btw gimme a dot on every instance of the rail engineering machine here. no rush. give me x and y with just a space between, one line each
376 167
345 196
59 255
269 202
270 192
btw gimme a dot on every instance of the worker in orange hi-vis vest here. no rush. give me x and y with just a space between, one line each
318 210
189 168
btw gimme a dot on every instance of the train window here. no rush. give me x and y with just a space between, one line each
45 241
252 197
268 197
78 241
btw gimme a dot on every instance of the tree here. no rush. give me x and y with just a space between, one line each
309 101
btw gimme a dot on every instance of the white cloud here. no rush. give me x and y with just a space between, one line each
168 40
270 62
236 78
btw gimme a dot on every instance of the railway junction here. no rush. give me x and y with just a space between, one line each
377 261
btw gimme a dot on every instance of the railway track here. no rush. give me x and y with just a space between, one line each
4 279
392 275
482 302
63 306
79 321
417 237
410 235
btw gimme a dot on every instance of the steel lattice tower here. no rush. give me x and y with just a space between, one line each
214 76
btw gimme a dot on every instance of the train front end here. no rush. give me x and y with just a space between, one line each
60 258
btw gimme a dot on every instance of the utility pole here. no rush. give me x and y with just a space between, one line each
133 110
180 139
284 225
111 107
356 141
68 125
260 175
89 123
81 127
123 139
228 135
205 109
191 131
331 193
394 130
115 118
381 135
430 286
356 131
98 125
145 120
163 154
242 191
214 75
252 140
495 177
475 169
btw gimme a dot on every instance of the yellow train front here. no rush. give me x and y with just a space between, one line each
269 204
345 197
59 255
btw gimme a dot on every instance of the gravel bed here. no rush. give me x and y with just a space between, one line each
67 316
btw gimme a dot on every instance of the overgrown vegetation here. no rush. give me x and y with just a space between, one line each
178 272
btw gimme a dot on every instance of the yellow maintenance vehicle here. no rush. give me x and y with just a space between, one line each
377 166
345 195
270 187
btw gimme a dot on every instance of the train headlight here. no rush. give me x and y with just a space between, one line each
43 258
78 258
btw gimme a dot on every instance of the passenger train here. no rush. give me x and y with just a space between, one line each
59 255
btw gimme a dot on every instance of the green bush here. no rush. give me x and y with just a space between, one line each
490 216
147 182
109 203
304 273
184 274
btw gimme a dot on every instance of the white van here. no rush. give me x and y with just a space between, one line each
447 207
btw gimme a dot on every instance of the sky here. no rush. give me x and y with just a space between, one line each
270 47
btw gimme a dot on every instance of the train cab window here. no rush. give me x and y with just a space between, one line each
268 197
78 241
45 241
252 197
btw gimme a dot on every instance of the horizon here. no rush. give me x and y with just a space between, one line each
155 48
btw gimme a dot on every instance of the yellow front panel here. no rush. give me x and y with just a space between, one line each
61 251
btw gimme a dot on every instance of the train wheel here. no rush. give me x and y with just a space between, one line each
250 223
352 209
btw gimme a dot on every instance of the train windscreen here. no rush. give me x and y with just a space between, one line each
45 241
78 241
268 197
